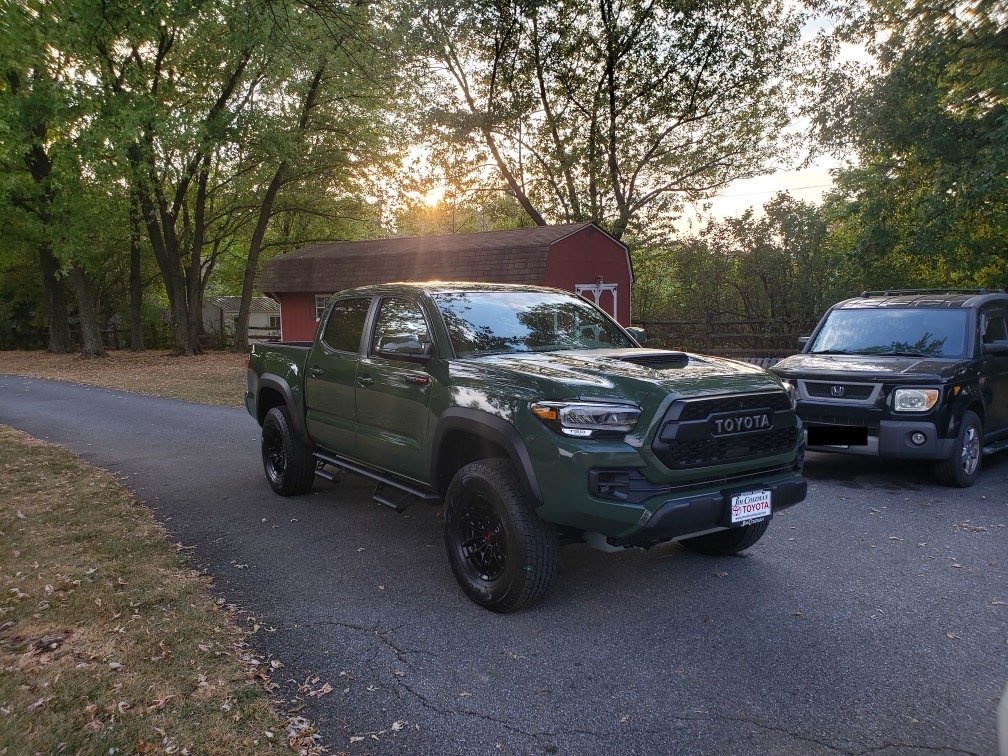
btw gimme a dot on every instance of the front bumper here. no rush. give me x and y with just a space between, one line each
572 498
705 512
892 439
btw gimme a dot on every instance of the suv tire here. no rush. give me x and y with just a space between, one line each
726 542
288 462
502 554
962 467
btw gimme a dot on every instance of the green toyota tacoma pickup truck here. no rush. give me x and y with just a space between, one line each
535 418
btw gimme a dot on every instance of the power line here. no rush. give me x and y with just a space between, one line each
771 191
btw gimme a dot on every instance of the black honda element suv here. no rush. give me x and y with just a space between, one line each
908 374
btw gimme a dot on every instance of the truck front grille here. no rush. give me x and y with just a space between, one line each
688 438
701 409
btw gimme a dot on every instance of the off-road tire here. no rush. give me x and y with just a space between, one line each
502 554
725 542
962 468
287 460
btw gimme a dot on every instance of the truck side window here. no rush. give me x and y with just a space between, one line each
995 328
397 318
345 324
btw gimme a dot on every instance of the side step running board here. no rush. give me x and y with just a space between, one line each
398 498
995 447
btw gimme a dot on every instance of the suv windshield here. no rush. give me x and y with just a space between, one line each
499 322
915 332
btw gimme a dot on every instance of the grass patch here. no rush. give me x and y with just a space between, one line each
211 378
109 642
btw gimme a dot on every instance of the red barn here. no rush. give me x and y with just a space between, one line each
579 257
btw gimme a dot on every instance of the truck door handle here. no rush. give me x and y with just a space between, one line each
315 371
365 380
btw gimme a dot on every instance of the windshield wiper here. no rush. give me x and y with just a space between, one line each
902 353
833 351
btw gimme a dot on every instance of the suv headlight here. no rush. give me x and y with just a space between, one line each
587 419
791 387
914 399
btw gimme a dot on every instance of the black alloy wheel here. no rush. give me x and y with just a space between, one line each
503 556
288 461
480 539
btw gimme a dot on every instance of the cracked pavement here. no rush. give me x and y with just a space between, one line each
872 618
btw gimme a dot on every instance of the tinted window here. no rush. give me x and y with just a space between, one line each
345 324
996 328
916 331
398 318
495 322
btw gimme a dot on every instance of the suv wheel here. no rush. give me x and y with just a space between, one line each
730 541
288 462
963 465
502 554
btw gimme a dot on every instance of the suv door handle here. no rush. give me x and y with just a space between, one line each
315 371
365 380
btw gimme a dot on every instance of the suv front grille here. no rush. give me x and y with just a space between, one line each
840 391
691 438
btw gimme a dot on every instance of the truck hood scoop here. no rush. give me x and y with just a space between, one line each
663 360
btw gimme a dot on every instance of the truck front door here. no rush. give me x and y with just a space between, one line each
393 393
330 385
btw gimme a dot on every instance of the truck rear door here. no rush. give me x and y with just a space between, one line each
331 380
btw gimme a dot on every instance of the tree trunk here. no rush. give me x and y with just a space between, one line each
252 264
90 329
56 301
136 282
265 213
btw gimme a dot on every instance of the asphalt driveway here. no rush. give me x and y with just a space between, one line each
871 618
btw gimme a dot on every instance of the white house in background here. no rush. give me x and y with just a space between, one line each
220 314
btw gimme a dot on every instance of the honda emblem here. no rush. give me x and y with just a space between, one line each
836 391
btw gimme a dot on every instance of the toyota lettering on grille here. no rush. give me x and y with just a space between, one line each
747 422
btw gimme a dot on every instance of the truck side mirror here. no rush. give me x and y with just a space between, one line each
639 334
404 346
802 341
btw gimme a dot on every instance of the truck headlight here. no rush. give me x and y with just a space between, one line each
914 400
587 419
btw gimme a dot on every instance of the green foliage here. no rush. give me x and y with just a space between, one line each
927 203
779 266
606 110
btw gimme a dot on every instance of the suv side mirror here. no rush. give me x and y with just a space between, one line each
802 341
639 334
404 346
999 348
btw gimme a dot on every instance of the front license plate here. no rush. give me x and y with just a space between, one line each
751 505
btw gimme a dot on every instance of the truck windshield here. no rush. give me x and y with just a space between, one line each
501 322
916 332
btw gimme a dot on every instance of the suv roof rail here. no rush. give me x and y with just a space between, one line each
897 292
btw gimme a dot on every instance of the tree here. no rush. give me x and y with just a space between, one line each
326 122
38 153
927 201
606 111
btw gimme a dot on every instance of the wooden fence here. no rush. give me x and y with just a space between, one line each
767 338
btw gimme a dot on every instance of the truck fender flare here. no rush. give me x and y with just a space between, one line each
275 382
492 428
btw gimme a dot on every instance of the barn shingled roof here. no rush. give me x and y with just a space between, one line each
257 304
516 256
